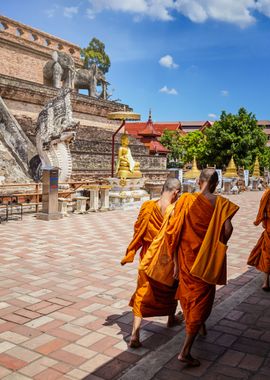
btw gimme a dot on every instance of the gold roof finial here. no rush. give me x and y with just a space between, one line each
194 172
256 170
231 171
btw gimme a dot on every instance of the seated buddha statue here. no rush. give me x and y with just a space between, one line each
126 167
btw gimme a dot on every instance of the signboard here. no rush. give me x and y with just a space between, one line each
246 177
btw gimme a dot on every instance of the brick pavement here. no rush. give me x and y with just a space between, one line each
64 296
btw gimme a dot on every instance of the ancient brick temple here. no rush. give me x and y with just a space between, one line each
24 52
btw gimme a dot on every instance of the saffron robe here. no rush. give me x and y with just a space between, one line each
187 234
151 297
260 255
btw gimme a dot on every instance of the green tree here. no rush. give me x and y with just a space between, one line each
170 139
95 53
235 135
193 145
184 147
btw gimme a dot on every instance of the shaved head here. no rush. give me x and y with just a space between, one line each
211 177
171 184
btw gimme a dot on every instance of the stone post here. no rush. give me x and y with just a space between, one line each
94 198
50 195
104 198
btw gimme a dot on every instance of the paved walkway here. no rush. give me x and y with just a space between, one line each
64 313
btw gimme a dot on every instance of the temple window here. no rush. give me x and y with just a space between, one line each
60 46
19 32
3 26
32 37
72 51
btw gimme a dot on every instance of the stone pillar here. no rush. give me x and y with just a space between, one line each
94 198
254 182
80 205
49 195
62 206
104 198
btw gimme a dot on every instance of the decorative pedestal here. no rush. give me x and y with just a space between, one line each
49 195
80 205
189 186
63 206
227 185
254 184
154 188
128 193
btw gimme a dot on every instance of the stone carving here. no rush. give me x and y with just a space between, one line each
88 79
55 131
126 167
60 70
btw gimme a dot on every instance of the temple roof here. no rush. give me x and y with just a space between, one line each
157 147
149 129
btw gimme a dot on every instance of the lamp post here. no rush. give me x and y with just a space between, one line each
121 116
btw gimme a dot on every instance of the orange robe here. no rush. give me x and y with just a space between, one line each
185 234
151 298
260 255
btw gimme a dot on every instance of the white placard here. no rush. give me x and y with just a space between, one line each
219 172
246 177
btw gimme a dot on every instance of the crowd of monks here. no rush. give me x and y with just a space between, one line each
183 243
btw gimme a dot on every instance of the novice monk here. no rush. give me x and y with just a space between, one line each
151 298
198 233
260 255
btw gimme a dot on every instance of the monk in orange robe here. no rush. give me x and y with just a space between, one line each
151 298
260 255
197 235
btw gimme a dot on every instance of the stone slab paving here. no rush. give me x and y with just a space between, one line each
64 297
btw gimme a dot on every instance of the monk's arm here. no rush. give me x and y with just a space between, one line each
139 231
176 266
227 231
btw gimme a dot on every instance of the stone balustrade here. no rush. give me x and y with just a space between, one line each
26 33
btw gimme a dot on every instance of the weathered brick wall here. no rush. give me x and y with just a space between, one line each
25 50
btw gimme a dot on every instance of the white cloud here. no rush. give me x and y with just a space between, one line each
224 93
70 11
167 61
263 6
239 12
212 116
50 12
169 91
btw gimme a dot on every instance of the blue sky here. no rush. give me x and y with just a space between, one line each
184 59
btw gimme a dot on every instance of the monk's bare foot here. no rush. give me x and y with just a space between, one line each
203 331
135 342
175 320
189 360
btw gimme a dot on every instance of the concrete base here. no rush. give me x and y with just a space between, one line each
48 217
127 195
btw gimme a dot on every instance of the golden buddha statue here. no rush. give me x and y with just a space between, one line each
126 167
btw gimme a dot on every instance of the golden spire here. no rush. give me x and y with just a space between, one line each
194 172
256 170
231 171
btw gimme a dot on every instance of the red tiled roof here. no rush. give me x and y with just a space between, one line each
157 147
149 129
134 128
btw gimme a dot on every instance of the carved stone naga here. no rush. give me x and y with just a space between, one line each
54 132
60 72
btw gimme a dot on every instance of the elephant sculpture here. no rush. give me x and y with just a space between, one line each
60 70
88 79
